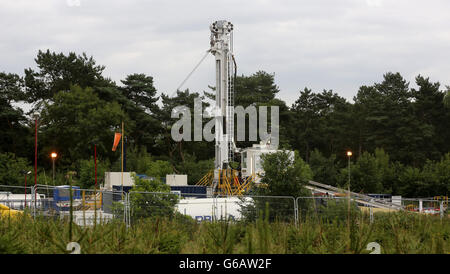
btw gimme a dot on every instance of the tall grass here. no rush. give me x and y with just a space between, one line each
398 233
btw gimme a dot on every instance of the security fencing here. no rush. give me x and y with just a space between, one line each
150 204
426 206
326 209
202 207
84 206
87 206
96 206
270 208
16 197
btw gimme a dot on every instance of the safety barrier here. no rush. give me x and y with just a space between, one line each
95 206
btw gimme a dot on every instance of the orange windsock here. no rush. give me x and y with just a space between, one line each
116 140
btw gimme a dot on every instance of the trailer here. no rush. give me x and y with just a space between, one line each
210 209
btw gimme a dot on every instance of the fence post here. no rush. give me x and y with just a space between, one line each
441 209
371 214
127 209
295 211
33 202
124 198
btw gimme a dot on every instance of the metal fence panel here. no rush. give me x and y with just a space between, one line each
205 208
16 197
327 209
427 206
88 206
150 204
271 208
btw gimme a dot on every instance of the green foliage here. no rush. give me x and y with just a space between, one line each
194 169
159 169
372 173
75 120
320 120
433 179
447 99
86 173
284 175
12 120
11 170
159 202
335 209
140 105
324 169
137 160
57 72
397 233
139 89
145 185
257 88
79 106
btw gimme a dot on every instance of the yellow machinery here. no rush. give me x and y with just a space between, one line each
228 183
91 201
8 212
442 198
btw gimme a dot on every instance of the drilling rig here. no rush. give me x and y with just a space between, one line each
224 179
221 48
221 42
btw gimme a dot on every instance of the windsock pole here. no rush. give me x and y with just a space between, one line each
122 158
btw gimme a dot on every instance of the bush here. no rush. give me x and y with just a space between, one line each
11 169
144 204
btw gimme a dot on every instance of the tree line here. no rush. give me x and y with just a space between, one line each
399 134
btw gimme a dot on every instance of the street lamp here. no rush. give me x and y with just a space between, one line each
54 155
349 155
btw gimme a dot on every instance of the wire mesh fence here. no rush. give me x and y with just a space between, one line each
96 206
426 206
83 206
16 197
151 204
202 207
328 209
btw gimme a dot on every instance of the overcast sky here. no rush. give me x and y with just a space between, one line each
321 44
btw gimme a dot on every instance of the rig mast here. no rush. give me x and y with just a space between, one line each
222 49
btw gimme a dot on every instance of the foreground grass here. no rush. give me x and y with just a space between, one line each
399 233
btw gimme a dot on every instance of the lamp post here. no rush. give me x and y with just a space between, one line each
349 155
53 155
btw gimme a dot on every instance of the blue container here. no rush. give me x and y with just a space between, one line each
190 191
61 197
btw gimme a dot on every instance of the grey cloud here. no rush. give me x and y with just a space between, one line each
324 44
